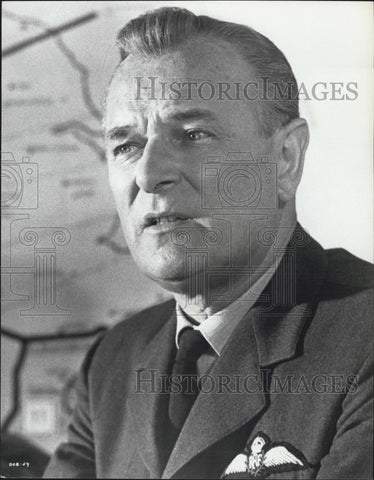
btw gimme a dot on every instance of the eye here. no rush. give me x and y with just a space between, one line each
125 149
198 136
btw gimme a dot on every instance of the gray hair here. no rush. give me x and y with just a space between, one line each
166 28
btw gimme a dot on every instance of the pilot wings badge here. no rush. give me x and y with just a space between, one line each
261 458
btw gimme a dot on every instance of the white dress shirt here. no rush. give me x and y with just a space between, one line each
217 328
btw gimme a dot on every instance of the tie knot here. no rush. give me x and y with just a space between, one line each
192 344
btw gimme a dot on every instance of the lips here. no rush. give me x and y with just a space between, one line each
168 219
163 219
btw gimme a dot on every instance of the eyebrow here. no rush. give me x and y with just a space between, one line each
121 132
193 114
117 133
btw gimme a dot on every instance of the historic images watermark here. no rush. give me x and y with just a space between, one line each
151 381
19 197
264 89
238 181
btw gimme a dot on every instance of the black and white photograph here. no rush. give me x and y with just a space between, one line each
187 240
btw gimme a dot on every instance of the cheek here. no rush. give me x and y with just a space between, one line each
120 187
193 167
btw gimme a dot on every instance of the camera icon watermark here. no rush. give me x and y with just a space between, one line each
238 182
19 183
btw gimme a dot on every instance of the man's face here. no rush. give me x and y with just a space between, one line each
158 150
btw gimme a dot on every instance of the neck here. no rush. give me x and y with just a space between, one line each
214 297
209 294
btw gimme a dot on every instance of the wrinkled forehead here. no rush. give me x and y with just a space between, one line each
197 75
200 58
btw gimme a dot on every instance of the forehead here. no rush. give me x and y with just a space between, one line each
143 85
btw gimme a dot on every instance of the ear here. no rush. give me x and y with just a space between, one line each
292 142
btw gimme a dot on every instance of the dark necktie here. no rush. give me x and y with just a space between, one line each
191 346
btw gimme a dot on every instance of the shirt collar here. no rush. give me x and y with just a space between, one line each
217 328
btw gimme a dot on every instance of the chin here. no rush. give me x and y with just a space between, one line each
169 272
161 267
165 273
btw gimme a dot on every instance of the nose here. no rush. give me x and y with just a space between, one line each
157 170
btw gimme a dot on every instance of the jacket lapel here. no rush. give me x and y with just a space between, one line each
148 406
217 413
270 333
290 300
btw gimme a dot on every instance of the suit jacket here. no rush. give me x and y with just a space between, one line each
303 354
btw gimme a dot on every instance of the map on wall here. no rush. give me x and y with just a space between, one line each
65 264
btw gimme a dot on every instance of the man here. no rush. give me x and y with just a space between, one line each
260 367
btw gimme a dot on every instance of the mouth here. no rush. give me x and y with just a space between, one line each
164 221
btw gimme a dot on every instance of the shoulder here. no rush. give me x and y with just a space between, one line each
345 310
347 277
133 333
140 327
349 270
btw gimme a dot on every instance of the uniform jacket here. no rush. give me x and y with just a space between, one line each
304 355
